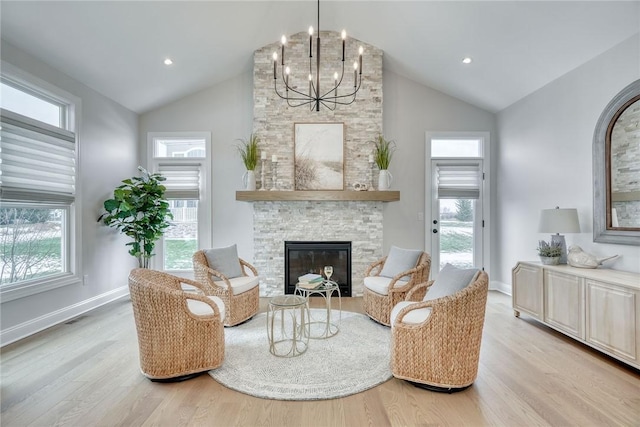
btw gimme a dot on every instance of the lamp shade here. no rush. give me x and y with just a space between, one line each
559 221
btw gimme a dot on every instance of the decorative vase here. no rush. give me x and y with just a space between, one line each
550 260
249 180
384 180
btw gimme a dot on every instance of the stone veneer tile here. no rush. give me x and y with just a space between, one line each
273 121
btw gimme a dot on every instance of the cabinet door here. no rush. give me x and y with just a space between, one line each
611 319
564 302
527 289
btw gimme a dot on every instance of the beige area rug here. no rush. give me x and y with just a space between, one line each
354 360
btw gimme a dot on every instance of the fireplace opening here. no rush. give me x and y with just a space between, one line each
301 258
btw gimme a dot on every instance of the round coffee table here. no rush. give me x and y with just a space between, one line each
288 325
327 329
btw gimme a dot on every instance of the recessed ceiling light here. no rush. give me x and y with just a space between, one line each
168 61
467 60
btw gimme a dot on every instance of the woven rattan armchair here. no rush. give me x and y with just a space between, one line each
239 307
175 342
442 352
378 305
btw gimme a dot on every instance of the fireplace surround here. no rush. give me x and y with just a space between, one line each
302 257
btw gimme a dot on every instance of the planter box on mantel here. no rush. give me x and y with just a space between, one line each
318 195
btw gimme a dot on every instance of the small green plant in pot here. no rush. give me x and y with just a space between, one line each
382 155
248 150
549 252
139 210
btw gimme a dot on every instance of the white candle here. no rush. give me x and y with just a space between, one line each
274 159
263 155
370 158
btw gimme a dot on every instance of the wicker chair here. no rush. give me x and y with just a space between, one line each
238 307
180 334
378 305
441 353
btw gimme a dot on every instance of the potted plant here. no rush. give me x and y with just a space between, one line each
549 252
382 155
248 150
139 210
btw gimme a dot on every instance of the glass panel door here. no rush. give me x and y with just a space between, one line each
456 220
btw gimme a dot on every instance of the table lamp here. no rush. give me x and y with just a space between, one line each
559 221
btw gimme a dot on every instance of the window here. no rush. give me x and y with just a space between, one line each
456 147
183 159
38 156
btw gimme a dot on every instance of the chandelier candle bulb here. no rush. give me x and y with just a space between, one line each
283 40
275 59
310 42
360 52
344 36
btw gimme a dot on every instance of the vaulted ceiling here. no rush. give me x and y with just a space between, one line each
118 47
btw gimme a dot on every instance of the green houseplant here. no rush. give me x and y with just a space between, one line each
549 253
248 150
382 155
139 210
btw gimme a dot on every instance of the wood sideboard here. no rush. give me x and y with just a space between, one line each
598 307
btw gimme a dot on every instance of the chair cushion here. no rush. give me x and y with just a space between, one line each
414 317
200 308
380 285
240 284
224 260
451 280
400 260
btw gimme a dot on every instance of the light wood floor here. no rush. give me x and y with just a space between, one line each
86 373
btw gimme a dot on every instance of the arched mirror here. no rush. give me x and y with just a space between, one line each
616 170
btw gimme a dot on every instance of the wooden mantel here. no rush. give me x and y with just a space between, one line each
317 195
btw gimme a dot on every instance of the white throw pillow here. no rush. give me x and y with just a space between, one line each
451 280
400 260
225 261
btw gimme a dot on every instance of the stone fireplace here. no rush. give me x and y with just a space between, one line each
274 223
277 221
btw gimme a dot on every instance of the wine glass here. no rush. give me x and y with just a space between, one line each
328 271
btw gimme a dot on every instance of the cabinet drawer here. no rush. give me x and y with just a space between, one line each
564 302
527 289
611 319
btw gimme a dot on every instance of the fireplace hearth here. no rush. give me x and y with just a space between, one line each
310 257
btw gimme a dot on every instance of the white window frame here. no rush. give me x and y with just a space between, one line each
72 242
204 203
485 138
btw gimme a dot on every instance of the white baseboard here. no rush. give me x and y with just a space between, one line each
23 330
500 287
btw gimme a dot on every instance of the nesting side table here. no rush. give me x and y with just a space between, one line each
322 328
288 325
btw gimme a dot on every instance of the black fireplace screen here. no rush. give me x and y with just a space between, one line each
301 258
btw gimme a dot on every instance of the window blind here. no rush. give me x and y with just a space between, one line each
37 161
461 181
183 180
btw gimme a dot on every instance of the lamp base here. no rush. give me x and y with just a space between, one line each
558 238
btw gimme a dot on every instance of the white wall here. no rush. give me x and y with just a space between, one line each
107 154
544 158
410 110
225 110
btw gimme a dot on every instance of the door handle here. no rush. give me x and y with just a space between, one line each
435 231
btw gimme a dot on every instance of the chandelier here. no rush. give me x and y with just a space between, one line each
314 97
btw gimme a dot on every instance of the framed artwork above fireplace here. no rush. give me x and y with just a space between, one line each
319 156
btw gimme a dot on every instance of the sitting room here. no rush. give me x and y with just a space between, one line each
320 213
